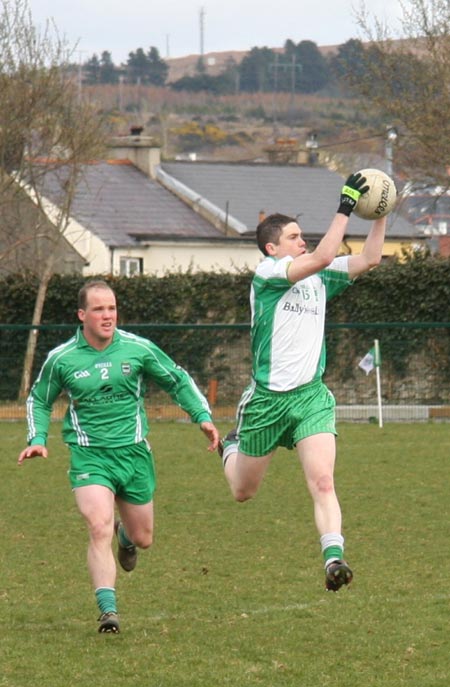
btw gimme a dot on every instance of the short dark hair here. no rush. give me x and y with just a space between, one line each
269 230
91 284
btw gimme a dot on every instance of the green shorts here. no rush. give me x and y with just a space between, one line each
129 471
268 419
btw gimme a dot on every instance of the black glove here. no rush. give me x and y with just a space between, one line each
351 191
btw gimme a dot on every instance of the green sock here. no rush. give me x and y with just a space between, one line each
332 545
122 536
334 551
106 599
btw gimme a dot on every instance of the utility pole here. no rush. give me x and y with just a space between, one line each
293 67
80 75
274 97
202 32
390 140
121 79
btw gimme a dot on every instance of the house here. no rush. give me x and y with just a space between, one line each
427 207
136 214
124 222
308 193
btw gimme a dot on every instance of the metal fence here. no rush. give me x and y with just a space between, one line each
414 374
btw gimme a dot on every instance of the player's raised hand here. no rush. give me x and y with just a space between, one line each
353 188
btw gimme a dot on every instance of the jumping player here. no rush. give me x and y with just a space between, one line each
286 403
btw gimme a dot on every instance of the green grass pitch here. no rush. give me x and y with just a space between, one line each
233 594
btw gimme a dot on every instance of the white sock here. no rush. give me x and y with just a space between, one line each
228 450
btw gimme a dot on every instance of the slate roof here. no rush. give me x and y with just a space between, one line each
123 206
120 204
309 193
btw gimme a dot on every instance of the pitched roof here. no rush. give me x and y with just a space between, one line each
309 193
121 205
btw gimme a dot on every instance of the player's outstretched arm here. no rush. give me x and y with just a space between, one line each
371 252
32 452
211 433
310 263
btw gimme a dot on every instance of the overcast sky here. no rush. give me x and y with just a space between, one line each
173 26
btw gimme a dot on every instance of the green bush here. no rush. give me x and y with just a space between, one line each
413 289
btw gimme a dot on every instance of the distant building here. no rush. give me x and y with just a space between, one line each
428 209
135 214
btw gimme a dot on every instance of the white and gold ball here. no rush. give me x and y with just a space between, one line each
381 197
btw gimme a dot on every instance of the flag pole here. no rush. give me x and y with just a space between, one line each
377 372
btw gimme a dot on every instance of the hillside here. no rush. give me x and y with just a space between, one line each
241 127
244 127
216 62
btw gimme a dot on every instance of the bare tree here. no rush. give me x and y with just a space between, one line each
406 78
47 133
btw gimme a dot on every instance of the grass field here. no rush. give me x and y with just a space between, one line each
232 594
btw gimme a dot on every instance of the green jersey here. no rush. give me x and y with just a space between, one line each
106 391
288 322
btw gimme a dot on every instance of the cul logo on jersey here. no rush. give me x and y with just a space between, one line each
126 368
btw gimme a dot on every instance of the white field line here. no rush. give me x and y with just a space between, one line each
278 608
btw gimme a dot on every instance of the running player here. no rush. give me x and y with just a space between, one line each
104 372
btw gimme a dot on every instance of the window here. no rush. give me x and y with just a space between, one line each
131 266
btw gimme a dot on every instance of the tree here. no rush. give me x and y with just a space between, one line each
157 68
147 68
108 70
47 132
349 59
223 83
255 70
91 70
312 66
407 80
137 66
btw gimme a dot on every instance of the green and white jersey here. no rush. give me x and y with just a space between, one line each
106 391
288 322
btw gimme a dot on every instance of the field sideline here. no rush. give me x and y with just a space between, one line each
232 594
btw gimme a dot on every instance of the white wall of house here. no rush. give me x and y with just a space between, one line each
98 258
160 258
90 247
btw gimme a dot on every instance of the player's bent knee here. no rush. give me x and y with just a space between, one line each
143 540
242 495
146 545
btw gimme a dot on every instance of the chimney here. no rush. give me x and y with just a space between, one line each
142 151
261 216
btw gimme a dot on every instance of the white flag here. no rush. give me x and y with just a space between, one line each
371 359
368 362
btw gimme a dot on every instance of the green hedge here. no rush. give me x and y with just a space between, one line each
178 298
412 289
